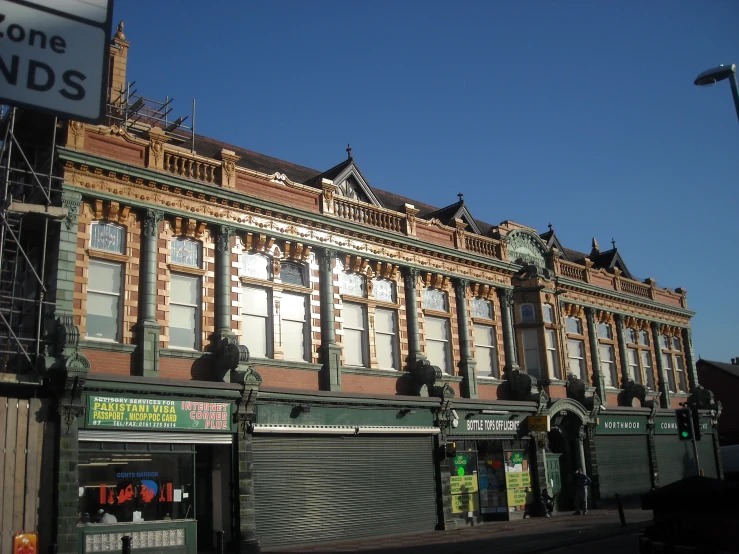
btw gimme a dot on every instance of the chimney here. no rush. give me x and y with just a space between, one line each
117 69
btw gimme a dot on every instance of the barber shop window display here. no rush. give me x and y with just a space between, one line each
123 486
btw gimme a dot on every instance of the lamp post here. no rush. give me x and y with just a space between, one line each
717 74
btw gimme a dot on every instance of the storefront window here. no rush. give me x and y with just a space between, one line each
136 486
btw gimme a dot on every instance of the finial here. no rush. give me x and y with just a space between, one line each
349 151
595 245
119 33
613 242
550 226
461 196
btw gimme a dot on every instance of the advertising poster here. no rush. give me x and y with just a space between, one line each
464 484
518 480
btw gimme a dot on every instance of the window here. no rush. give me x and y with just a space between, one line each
482 308
107 236
434 299
675 343
352 284
548 311
672 356
104 300
573 325
644 338
680 368
630 336
527 313
293 326
256 266
670 375
383 290
487 361
550 337
576 350
386 339
183 311
605 331
634 372
255 312
185 251
665 340
531 352
354 334
646 358
292 274
437 343
608 365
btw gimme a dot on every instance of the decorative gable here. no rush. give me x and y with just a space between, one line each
465 215
525 247
351 184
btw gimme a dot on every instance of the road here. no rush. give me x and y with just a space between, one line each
621 544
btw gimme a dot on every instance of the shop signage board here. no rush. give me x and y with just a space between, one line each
621 425
668 425
538 424
54 56
474 424
163 414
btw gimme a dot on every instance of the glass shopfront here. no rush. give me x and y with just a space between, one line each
134 486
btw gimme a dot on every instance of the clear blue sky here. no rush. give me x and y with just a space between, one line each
579 113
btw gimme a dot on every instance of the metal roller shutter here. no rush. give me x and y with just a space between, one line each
707 456
328 488
674 459
623 465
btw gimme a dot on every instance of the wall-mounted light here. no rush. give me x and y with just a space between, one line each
304 409
404 411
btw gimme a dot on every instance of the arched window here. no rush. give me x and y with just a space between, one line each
548 311
527 313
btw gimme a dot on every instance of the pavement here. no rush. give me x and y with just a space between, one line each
559 533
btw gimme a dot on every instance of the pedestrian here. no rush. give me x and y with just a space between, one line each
548 500
581 492
105 517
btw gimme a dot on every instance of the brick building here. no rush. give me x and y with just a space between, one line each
217 339
723 378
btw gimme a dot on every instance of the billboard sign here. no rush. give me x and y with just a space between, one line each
54 56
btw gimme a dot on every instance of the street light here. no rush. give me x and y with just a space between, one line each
717 74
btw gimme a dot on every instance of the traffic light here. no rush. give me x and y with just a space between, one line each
696 422
684 424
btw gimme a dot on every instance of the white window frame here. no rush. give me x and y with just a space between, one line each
608 366
393 338
489 349
648 369
550 341
446 342
305 322
119 303
634 369
269 323
681 375
669 369
548 314
531 351
582 370
198 311
579 330
362 332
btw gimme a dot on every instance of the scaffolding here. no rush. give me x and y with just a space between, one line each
30 204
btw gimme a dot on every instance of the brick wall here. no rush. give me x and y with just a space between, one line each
285 378
371 385
114 363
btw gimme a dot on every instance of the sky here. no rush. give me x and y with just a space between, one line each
577 113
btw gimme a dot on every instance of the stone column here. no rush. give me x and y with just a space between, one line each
223 281
664 388
67 496
411 314
330 351
598 381
652 447
148 328
581 448
622 349
509 340
687 336
467 365
245 417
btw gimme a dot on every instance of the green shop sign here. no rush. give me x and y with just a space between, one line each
473 424
128 413
668 426
621 425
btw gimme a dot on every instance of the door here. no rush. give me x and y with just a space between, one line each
675 459
203 494
554 477
623 466
328 488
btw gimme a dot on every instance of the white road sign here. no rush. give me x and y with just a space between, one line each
54 56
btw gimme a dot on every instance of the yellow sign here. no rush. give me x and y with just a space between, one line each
517 497
539 424
462 484
517 479
465 503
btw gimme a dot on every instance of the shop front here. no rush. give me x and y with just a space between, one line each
621 452
675 457
157 469
326 471
489 466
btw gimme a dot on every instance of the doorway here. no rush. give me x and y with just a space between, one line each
563 441
213 494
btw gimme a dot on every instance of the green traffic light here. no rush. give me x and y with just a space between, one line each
684 434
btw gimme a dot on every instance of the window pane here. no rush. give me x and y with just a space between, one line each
482 308
436 328
384 290
605 331
665 340
104 277
648 371
486 361
185 252
182 326
573 325
576 350
531 352
254 335
254 265
548 313
184 290
434 299
527 313
254 301
293 340
385 350
107 236
384 321
437 354
352 284
353 347
630 336
484 335
102 316
681 374
293 307
607 365
634 372
353 316
293 274
644 338
552 357
675 343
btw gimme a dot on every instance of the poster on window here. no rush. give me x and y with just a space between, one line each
518 480
158 413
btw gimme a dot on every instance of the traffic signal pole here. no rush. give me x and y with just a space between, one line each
695 453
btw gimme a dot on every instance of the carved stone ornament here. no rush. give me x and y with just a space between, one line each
71 200
411 278
325 261
460 288
152 218
524 247
506 298
223 238
67 334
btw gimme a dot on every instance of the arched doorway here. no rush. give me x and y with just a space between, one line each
565 452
